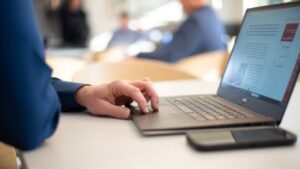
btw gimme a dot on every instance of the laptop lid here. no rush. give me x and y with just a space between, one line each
265 61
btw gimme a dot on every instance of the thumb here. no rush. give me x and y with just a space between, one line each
114 110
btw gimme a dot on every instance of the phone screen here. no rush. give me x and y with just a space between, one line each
262 135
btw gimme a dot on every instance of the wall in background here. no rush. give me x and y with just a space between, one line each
229 11
101 15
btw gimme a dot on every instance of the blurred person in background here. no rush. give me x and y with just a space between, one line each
201 32
124 36
75 30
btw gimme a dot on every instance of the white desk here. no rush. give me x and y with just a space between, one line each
86 142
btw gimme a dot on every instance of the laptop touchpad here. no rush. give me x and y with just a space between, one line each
166 109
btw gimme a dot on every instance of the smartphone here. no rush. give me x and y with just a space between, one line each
240 138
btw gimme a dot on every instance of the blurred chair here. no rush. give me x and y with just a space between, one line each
207 66
105 72
8 158
64 67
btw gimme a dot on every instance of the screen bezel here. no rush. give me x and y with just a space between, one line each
264 107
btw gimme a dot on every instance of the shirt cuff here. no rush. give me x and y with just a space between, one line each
66 92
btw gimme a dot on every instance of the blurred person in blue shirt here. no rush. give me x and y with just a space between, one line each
201 32
124 36
30 100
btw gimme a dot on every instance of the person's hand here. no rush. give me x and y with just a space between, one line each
108 99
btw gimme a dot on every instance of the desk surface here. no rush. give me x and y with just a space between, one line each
82 141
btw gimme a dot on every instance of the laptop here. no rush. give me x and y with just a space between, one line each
256 85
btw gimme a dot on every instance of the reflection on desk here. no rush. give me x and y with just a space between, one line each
82 141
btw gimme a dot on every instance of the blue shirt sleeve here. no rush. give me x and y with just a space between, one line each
66 92
185 41
29 103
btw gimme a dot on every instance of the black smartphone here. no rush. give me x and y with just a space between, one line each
240 138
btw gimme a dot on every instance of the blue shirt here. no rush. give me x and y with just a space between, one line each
124 37
201 32
30 100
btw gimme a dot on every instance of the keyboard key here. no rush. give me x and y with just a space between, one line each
207 108
184 108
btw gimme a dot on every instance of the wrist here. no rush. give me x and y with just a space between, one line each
81 95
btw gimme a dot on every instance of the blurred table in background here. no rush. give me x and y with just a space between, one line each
65 67
65 62
105 72
206 66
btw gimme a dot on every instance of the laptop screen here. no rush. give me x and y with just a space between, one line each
266 58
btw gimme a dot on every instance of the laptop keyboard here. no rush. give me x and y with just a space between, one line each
207 108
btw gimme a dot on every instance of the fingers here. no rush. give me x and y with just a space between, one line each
105 99
124 88
123 100
106 108
148 89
